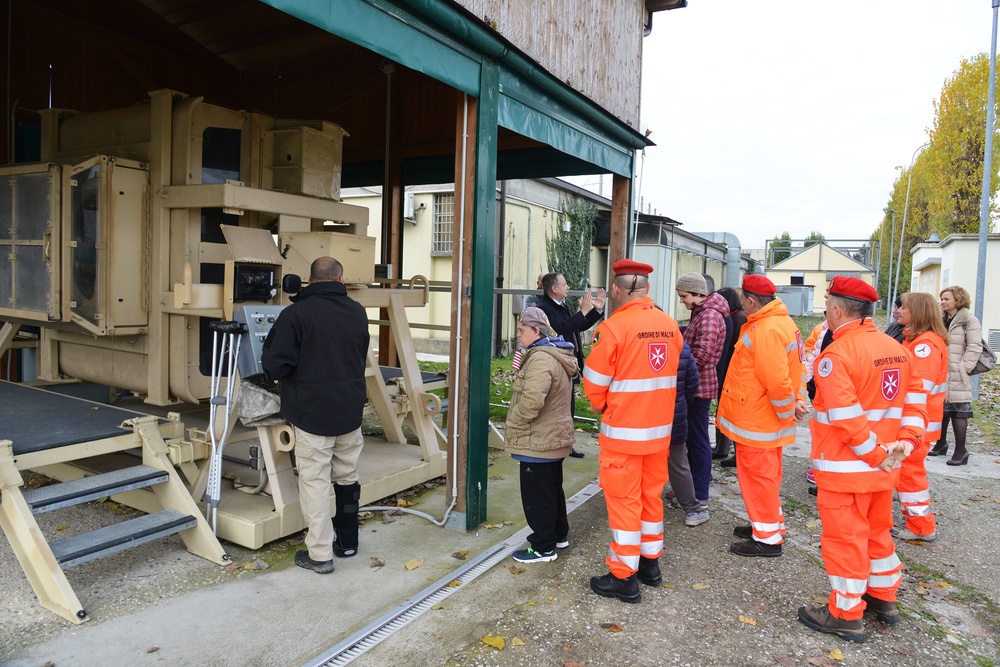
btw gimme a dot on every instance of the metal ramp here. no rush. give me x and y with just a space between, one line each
44 561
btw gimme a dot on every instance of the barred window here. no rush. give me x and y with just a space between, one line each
444 222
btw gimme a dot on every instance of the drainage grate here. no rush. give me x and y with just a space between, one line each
386 625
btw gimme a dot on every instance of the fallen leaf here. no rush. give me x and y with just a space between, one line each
785 660
413 563
550 598
234 566
442 605
670 586
257 565
514 569
905 650
62 527
835 654
516 642
376 562
508 523
113 506
454 583
401 503
575 663
747 620
611 627
812 524
496 642
442 566
701 587
531 603
460 555
821 599
152 649
387 519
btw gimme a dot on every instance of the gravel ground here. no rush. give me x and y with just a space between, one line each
158 595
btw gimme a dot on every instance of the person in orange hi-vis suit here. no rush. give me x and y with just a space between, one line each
630 378
870 410
926 337
762 397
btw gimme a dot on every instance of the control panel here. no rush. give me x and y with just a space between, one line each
259 320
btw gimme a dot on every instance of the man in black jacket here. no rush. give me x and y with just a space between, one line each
317 348
569 325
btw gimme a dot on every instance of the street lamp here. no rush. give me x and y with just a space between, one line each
892 241
902 231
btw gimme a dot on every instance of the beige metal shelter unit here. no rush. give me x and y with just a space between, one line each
139 228
817 265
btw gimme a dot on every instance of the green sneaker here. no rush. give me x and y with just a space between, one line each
529 555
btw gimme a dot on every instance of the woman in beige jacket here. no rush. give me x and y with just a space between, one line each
540 432
965 344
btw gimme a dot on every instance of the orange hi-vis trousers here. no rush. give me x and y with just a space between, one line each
633 488
914 491
858 550
759 473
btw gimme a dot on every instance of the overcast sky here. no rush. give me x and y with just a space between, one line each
793 114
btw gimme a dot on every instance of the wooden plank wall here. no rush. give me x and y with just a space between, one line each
593 45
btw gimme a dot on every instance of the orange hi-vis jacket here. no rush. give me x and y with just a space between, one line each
930 353
757 407
867 395
630 377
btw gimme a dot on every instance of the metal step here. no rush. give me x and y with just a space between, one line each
67 494
120 536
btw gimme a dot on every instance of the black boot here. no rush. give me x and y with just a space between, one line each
649 571
610 586
345 523
722 445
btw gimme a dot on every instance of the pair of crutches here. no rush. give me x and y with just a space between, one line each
230 334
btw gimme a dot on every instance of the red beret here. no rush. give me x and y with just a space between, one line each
625 267
853 288
758 285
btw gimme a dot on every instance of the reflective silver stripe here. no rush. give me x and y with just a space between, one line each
846 603
648 384
767 527
850 412
849 586
929 385
631 562
821 417
635 434
915 398
595 377
914 496
912 421
782 403
916 510
885 564
626 537
794 345
940 388
933 426
888 413
651 549
654 528
884 580
752 435
746 340
773 539
785 415
866 446
842 466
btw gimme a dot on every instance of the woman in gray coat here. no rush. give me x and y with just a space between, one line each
540 432
965 344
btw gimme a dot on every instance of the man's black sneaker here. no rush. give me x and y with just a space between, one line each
610 586
754 548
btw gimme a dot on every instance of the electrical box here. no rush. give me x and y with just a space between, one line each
356 253
304 159
259 321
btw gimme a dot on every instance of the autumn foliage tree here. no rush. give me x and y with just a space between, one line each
947 183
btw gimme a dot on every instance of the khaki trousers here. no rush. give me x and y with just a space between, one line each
321 460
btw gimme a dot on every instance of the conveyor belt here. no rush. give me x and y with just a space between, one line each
36 420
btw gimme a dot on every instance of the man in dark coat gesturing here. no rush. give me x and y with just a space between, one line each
317 349
568 324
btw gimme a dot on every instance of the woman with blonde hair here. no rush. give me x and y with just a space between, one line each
926 338
965 344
